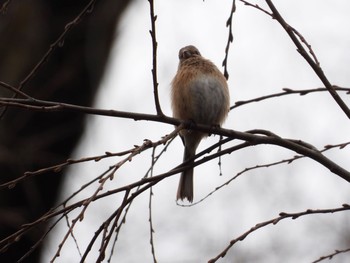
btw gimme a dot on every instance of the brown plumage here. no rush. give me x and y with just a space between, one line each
199 94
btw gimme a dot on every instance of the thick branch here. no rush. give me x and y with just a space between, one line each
266 138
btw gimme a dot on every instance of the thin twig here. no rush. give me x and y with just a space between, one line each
15 90
330 256
41 239
48 106
58 43
297 146
72 235
311 51
230 38
123 220
245 170
88 201
106 240
275 221
314 64
85 203
115 215
219 161
259 166
256 6
286 91
145 182
301 37
151 229
58 167
4 7
154 57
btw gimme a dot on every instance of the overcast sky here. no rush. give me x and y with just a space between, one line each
262 60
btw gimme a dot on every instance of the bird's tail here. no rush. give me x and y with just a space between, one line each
185 189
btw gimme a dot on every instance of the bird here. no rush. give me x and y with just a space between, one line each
200 95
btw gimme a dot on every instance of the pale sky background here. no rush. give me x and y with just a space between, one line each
262 60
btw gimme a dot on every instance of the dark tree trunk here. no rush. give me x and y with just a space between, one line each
30 140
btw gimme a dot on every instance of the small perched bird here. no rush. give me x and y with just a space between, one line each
200 94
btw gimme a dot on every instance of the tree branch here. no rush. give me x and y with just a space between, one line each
245 136
275 221
59 42
330 256
314 64
154 57
286 91
230 38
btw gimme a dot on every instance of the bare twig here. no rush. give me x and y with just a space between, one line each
72 235
311 51
219 161
115 215
146 183
48 106
151 229
4 6
146 145
106 240
255 139
230 38
41 239
300 147
312 60
154 57
331 146
330 256
256 6
313 63
126 210
85 203
59 167
302 39
245 170
275 221
286 91
267 165
15 90
69 26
